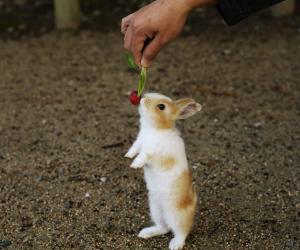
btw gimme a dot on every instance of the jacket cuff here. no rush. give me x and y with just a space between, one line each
231 11
234 11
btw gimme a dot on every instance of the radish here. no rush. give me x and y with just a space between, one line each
136 95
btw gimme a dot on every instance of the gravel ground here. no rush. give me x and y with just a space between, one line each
65 124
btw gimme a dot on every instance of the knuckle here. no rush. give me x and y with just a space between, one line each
136 27
123 21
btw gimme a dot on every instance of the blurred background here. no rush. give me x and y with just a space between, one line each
66 122
25 17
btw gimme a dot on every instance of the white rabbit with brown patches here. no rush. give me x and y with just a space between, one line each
160 150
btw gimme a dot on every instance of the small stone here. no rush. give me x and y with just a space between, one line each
87 195
5 243
257 125
39 178
68 204
70 83
103 179
44 121
290 243
26 222
227 52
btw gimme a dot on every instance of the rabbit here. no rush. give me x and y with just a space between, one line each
160 151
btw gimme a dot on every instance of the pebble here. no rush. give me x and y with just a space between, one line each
290 243
103 179
5 243
68 204
257 125
227 52
39 178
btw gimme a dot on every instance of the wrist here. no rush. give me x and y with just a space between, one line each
194 4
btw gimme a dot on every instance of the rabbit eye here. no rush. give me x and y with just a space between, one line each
161 106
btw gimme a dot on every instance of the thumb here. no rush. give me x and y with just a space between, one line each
151 51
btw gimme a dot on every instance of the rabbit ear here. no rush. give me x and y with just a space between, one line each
186 108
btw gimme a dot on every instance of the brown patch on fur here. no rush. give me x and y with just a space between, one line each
185 201
184 191
162 119
165 162
168 162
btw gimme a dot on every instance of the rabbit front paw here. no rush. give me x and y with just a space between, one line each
135 164
133 151
130 154
139 161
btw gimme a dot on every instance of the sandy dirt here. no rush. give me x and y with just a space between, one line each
65 124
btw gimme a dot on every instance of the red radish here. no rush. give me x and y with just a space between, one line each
134 98
135 95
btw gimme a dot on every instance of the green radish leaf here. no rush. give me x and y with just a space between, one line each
142 81
130 61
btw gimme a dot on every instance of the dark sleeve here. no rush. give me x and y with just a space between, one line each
234 11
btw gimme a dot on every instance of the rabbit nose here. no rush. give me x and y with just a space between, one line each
146 101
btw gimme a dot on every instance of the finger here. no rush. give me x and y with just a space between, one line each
151 51
136 48
124 28
127 38
125 23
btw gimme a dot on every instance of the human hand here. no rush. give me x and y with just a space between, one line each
153 26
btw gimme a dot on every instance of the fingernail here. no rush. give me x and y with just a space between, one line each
145 63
